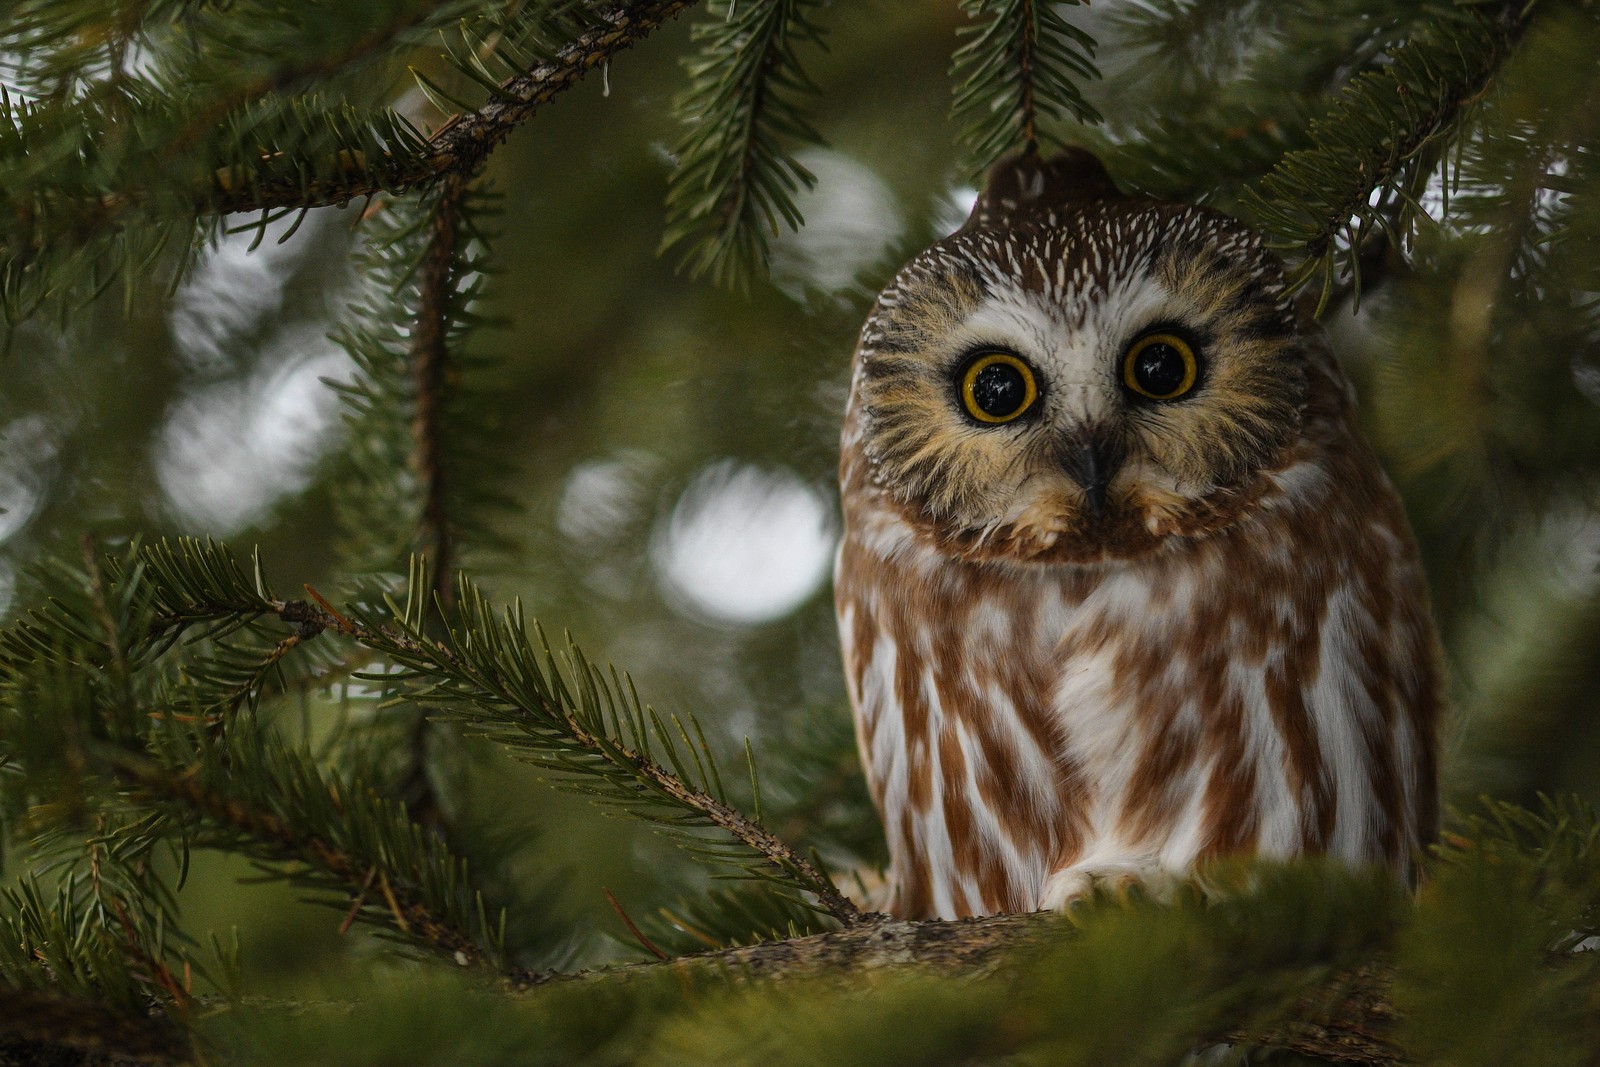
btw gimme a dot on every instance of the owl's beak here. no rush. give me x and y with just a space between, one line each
1092 461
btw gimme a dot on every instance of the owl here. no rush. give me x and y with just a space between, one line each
1122 590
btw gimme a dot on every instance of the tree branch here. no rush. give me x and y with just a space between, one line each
318 617
429 365
1355 1029
45 1028
410 913
1025 61
294 74
973 947
1430 85
1345 1020
462 144
430 370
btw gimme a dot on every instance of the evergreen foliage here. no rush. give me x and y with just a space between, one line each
423 470
1247 79
1014 76
736 175
1366 175
168 719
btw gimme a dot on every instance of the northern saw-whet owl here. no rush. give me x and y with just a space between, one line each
1122 589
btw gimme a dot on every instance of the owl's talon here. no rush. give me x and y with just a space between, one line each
1123 882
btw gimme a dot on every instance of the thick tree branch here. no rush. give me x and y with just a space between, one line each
463 143
965 946
1354 1030
1345 1021
44 1028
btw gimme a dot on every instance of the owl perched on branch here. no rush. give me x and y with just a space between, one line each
1122 588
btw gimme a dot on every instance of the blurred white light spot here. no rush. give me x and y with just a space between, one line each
601 497
743 544
851 220
1587 375
27 446
8 588
232 450
954 207
231 291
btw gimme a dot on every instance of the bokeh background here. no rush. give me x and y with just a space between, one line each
670 449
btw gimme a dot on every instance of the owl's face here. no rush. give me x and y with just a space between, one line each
1080 380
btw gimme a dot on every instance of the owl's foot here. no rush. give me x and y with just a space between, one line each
1120 880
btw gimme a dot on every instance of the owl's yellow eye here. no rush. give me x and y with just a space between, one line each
1160 366
997 387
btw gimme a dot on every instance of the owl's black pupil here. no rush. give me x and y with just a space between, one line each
999 390
1159 369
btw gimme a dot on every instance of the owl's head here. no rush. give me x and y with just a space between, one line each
1077 375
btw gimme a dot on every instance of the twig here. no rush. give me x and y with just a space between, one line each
1025 59
463 143
638 934
159 973
411 914
102 610
242 691
292 74
355 905
430 369
429 364
390 899
323 603
735 823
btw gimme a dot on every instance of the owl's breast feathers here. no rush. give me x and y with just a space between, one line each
1270 686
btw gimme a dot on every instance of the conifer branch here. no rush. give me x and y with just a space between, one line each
410 912
424 460
464 142
103 208
39 1027
438 276
409 647
736 177
430 375
1383 138
314 67
588 727
107 933
1347 1018
1015 75
220 777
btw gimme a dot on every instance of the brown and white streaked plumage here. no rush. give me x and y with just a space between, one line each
1122 589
